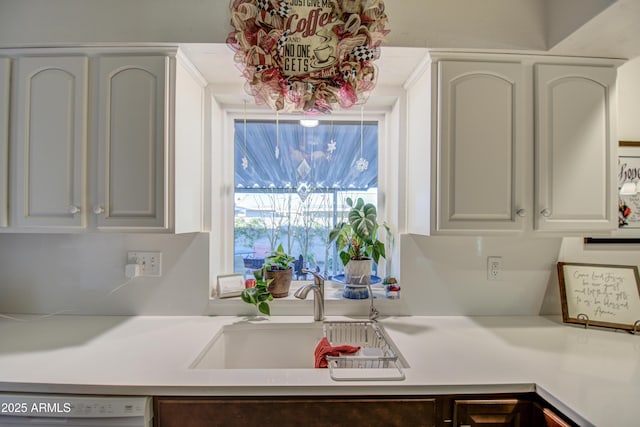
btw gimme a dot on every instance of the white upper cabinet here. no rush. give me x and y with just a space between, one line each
150 139
188 170
576 148
502 126
50 141
480 146
108 141
5 70
132 142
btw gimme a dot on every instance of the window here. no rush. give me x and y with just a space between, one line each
291 183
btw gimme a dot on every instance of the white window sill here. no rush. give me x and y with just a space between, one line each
333 290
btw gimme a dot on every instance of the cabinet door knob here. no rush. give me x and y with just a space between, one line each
545 213
98 210
521 213
73 209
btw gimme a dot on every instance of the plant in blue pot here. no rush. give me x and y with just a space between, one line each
358 245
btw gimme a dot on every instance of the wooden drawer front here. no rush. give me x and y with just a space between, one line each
494 413
283 412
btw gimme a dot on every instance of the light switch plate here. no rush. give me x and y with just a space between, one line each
150 262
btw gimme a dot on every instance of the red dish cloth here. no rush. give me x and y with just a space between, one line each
324 349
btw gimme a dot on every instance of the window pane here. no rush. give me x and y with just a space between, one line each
291 188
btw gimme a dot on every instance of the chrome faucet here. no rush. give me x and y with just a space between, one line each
318 294
373 312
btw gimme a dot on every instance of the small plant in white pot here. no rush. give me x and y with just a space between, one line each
358 245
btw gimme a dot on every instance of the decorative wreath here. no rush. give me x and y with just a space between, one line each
308 55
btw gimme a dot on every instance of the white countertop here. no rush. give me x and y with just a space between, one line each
591 375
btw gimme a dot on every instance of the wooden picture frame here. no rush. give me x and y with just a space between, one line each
600 295
611 241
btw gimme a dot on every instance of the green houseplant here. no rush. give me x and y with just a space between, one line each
357 241
278 269
258 295
273 280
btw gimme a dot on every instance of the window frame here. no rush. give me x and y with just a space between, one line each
222 207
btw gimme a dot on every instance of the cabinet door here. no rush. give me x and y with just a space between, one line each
575 148
132 142
294 412
5 68
552 419
480 146
494 413
50 141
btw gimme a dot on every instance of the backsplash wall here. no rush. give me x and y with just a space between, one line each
84 274
452 275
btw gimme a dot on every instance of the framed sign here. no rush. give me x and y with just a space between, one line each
600 295
629 185
230 285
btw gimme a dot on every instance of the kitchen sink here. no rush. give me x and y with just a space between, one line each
270 345
284 345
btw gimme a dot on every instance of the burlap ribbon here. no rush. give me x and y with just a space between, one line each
259 37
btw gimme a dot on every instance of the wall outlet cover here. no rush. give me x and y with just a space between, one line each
150 262
494 268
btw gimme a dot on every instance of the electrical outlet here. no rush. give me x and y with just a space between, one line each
494 268
150 262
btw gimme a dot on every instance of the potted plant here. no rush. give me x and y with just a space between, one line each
278 268
259 294
391 287
273 280
358 244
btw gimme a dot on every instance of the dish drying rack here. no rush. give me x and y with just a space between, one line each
376 360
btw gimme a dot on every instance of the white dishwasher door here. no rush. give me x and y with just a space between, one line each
74 410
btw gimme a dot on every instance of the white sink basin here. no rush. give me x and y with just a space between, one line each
261 346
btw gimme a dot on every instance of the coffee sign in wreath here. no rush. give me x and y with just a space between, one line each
308 55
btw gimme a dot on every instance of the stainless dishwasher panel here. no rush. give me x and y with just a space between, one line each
74 410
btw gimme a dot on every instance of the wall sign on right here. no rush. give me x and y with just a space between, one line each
629 185
600 295
628 196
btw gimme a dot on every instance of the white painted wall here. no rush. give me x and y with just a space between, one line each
564 17
82 274
441 275
629 101
486 24
513 24
86 21
447 275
